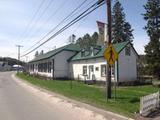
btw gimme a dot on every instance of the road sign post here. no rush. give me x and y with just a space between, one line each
108 75
111 56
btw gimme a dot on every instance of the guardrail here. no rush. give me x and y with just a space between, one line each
149 103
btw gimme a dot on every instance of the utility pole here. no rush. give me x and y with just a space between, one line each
19 47
108 72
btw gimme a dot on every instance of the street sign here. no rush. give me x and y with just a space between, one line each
110 55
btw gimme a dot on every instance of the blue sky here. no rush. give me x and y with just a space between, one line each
16 14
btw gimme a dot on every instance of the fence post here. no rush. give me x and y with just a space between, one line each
141 105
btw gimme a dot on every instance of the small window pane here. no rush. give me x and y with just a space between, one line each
84 70
97 68
103 70
91 68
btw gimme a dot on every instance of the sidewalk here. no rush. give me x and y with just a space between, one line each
70 104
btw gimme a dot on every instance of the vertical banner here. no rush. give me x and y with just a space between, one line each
102 27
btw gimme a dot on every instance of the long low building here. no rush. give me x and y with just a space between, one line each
71 62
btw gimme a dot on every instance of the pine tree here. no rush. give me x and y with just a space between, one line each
128 32
87 41
152 49
121 30
94 39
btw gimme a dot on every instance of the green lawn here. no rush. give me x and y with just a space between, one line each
127 102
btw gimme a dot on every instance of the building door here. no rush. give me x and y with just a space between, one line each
91 72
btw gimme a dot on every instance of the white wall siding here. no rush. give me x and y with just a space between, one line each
127 66
61 65
77 68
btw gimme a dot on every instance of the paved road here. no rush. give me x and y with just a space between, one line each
17 103
22 102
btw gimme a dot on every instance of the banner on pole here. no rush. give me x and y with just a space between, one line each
102 28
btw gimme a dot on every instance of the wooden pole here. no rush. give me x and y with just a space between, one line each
108 76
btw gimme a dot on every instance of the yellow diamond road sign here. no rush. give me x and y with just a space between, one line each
110 55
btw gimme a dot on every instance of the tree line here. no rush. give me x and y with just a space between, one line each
11 61
122 31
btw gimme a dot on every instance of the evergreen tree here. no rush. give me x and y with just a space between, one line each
152 50
121 30
94 39
79 42
87 41
128 32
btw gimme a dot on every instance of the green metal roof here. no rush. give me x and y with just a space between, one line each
70 47
118 47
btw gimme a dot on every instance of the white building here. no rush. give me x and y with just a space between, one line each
54 64
72 62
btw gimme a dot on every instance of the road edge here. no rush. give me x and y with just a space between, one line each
78 103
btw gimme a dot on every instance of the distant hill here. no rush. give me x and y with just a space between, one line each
11 61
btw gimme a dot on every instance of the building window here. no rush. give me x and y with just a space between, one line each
97 68
32 67
49 67
103 70
84 70
127 51
91 67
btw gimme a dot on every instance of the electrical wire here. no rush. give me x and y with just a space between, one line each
48 19
43 12
30 22
79 17
58 24
68 25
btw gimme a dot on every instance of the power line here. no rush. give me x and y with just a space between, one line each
35 14
49 18
82 8
83 19
43 12
79 17
75 30
58 24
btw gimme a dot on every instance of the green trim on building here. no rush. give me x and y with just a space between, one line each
118 47
94 52
70 47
